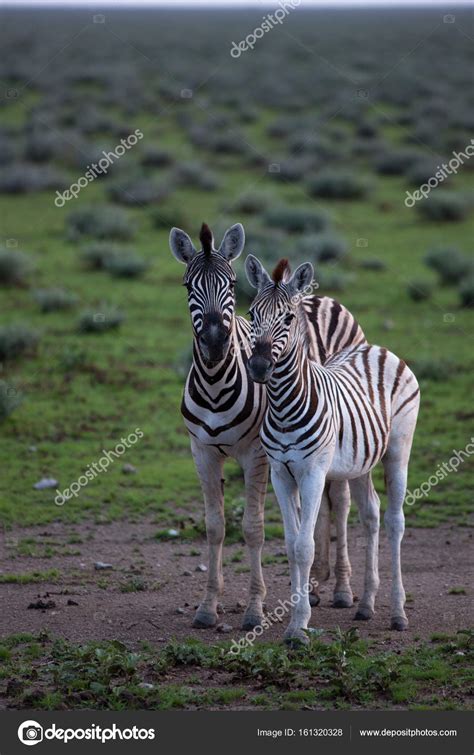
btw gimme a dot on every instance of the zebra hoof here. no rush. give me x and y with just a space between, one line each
314 600
363 614
399 623
342 600
295 639
204 620
251 620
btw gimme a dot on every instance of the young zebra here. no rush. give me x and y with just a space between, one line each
223 410
334 421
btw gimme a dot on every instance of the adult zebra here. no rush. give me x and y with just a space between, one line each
329 422
223 410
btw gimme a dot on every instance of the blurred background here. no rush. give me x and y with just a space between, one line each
311 139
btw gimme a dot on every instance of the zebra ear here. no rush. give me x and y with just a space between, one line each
181 246
257 276
301 278
233 242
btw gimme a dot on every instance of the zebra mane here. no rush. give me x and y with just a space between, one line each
206 238
281 272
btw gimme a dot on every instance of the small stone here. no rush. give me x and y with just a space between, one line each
201 567
33 449
46 482
71 602
172 533
220 608
187 573
224 628
129 469
180 610
240 604
146 685
100 565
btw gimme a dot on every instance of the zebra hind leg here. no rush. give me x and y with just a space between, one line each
363 492
339 496
322 536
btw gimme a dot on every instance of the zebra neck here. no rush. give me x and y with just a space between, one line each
290 384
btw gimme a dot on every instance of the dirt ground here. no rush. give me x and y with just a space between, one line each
434 562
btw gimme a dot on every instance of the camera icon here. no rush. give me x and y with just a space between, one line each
11 93
187 94
99 317
30 733
274 168
99 18
449 19
363 93
362 243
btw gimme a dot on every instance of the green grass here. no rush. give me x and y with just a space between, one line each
50 575
338 670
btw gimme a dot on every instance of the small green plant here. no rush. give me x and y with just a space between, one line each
134 584
443 206
466 292
10 399
15 268
100 320
324 247
126 265
449 263
95 255
101 222
17 341
428 368
295 219
420 290
54 299
338 185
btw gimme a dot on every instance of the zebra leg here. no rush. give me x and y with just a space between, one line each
286 491
311 486
368 503
209 465
256 478
322 538
339 494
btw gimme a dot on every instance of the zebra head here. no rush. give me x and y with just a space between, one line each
273 313
210 281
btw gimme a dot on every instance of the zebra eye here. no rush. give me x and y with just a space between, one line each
288 319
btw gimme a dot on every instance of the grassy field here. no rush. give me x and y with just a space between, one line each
213 132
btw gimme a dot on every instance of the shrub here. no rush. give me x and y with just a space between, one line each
196 176
373 263
443 206
295 219
427 368
14 268
251 203
102 222
10 399
125 264
100 320
466 292
22 178
333 280
154 157
141 191
183 361
419 290
421 171
450 264
291 169
54 299
41 146
395 162
95 255
338 185
322 247
16 341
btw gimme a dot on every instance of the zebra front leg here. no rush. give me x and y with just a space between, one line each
368 503
255 467
311 487
286 491
209 465
340 498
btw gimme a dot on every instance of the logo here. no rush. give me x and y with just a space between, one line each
30 733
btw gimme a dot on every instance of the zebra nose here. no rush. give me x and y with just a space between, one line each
260 368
